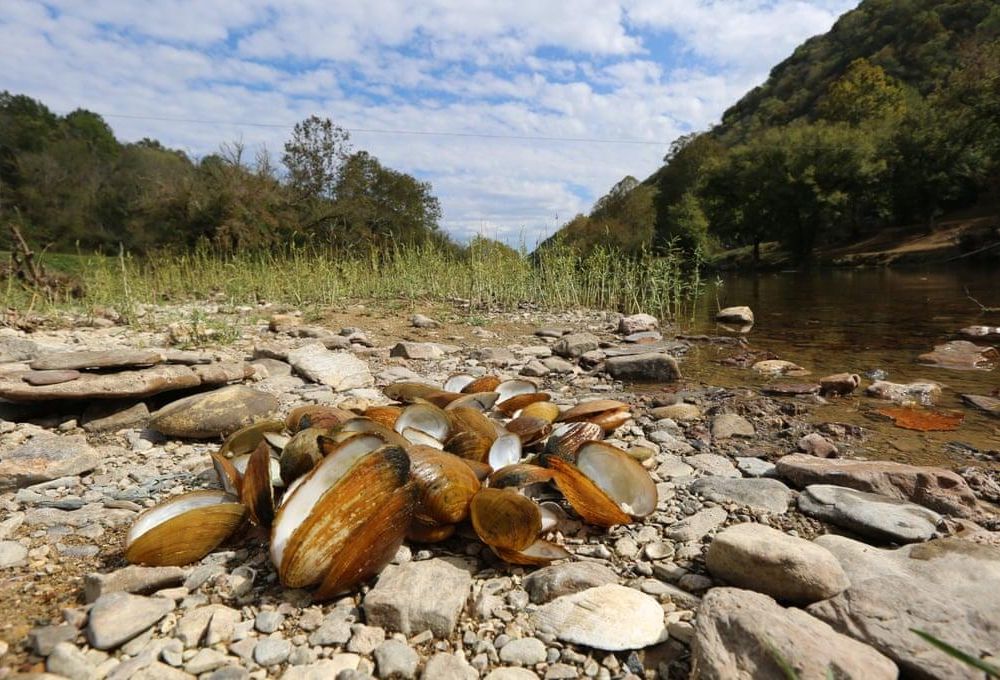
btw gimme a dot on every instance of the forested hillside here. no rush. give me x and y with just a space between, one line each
70 184
892 117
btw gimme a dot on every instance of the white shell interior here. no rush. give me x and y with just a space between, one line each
622 478
457 382
512 388
506 450
423 417
172 508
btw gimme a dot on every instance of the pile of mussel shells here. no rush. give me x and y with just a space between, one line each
340 491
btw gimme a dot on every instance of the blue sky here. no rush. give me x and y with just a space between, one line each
613 72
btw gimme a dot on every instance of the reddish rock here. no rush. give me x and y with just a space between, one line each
962 355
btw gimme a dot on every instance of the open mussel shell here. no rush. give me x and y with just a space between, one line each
423 531
245 439
257 493
512 388
458 382
415 393
300 454
487 383
229 477
519 475
464 419
511 406
504 451
503 518
607 413
369 426
183 529
545 410
425 418
445 485
567 438
333 521
538 554
384 415
480 401
316 415
530 429
606 486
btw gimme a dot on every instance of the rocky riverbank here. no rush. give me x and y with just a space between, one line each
774 542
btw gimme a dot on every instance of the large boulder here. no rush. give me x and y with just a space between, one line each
947 587
869 514
936 488
742 635
787 568
213 414
637 323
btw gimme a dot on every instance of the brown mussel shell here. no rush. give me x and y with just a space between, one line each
510 406
245 439
620 476
487 383
469 445
369 426
421 531
229 477
480 401
503 518
566 438
520 475
257 493
465 419
300 454
426 418
183 529
445 485
586 498
384 415
538 554
530 429
605 412
316 415
542 409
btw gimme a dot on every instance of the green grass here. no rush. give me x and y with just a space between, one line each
309 278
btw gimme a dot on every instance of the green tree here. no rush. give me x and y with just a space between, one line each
314 156
863 93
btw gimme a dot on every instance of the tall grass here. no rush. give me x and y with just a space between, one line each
485 278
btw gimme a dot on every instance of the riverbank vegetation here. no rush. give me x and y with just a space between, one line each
891 118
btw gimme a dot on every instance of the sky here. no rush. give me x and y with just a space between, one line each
527 112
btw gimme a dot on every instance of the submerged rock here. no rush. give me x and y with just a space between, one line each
989 405
778 367
962 355
735 315
923 392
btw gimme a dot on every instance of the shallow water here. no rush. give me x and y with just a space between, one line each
832 321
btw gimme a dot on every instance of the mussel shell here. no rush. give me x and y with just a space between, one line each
487 383
426 418
465 419
566 438
457 382
369 426
516 403
257 493
529 429
480 401
538 554
384 415
512 388
300 454
503 518
609 421
245 439
506 450
229 477
469 445
480 469
586 498
541 409
620 476
183 529
519 476
420 531
593 409
316 415
445 485
328 511
407 392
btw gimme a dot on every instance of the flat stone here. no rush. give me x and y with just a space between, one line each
962 355
213 414
12 554
125 384
558 365
416 350
118 617
763 559
334 630
444 666
70 662
696 526
324 669
817 445
868 514
268 621
637 323
272 651
43 639
14 349
756 467
195 625
729 425
947 587
339 370
741 635
535 369
523 652
643 338
609 617
155 671
396 659
45 457
673 466
923 392
513 673
712 464
113 358
495 356
645 367
39 378
739 315
988 405
575 344
131 579
791 389
681 412
418 596
936 488
554 581
113 416
778 367
760 494
364 639
206 660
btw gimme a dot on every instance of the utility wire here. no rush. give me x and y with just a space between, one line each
425 133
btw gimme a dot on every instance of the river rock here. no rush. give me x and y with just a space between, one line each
444 666
989 405
839 384
14 349
421 321
936 488
729 425
131 579
947 587
791 389
696 526
111 358
211 414
986 332
735 315
418 596
817 445
111 416
12 554
787 568
711 464
339 370
962 355
637 323
751 466
45 457
40 378
523 652
575 344
681 412
923 392
648 366
554 581
868 514
417 350
778 367
68 661
609 617
741 635
118 617
396 659
765 494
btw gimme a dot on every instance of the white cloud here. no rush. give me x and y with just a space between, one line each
594 69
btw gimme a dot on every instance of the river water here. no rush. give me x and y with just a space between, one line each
857 320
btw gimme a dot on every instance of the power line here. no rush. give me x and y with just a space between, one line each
389 131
